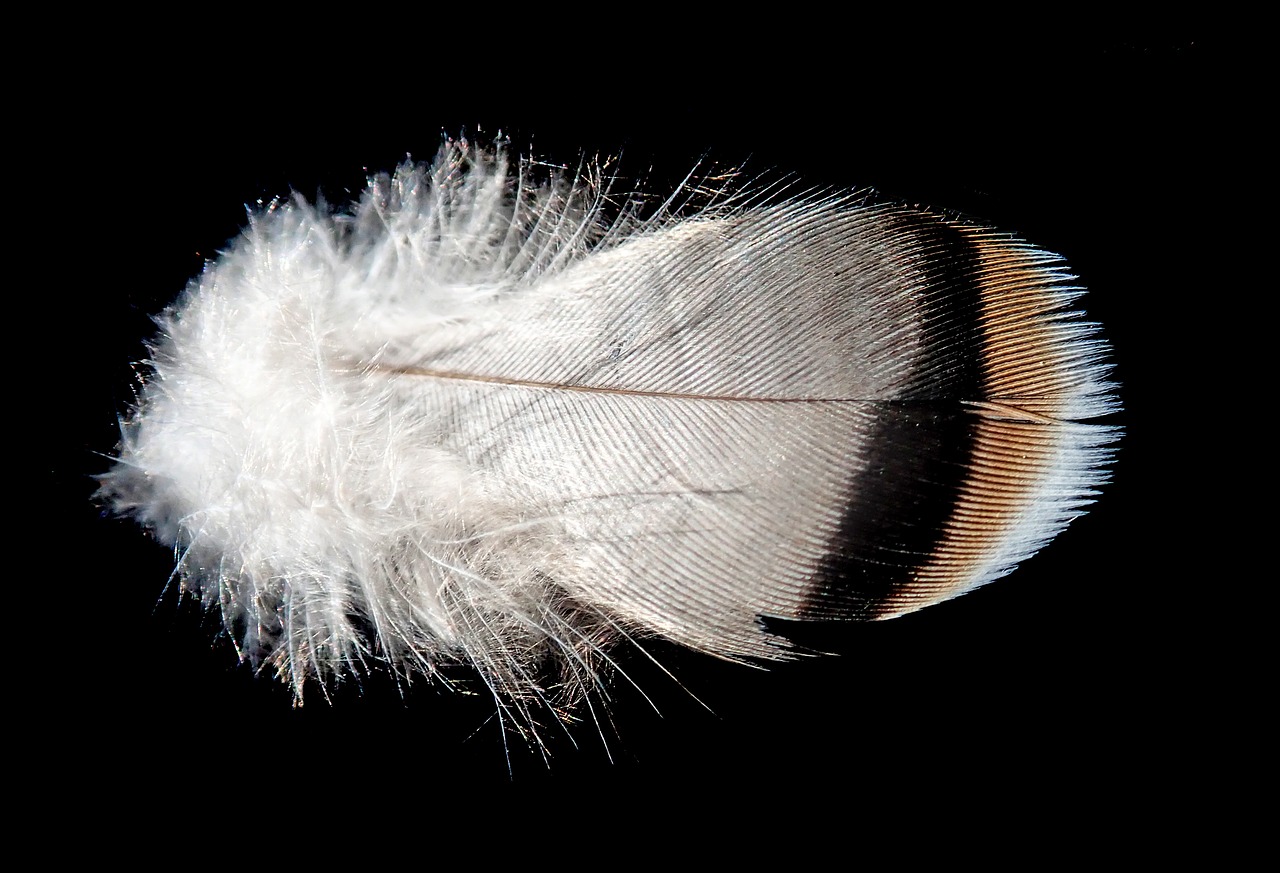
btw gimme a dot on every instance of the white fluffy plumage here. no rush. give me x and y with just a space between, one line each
478 419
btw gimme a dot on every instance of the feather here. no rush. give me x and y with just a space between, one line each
488 417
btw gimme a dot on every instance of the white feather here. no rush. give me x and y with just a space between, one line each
476 420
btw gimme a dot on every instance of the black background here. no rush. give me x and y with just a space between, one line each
1052 680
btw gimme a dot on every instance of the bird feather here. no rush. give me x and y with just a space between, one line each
489 416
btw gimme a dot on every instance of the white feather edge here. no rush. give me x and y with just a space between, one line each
364 421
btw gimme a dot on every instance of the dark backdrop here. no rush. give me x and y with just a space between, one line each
1051 678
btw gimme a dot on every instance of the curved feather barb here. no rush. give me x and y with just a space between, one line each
484 418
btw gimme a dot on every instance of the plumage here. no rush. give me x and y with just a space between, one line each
489 416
